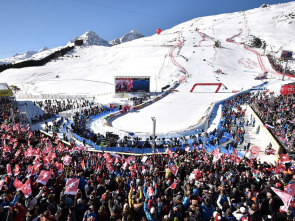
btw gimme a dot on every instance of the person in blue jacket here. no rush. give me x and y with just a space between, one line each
150 215
207 209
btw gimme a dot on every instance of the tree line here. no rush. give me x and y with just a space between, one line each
32 63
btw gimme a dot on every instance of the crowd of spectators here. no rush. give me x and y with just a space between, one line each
79 123
52 107
278 113
277 65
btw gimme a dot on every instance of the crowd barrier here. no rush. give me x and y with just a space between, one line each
58 96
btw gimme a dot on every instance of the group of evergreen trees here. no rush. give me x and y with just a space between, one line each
31 63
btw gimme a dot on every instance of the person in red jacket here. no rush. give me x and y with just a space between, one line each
16 213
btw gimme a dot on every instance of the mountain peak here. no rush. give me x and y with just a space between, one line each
130 36
90 38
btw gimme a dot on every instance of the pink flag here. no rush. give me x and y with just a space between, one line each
30 152
16 169
290 189
26 188
173 169
106 155
59 167
8 170
110 168
43 177
131 159
67 160
17 184
187 148
124 165
237 160
196 171
1 184
254 151
286 198
71 186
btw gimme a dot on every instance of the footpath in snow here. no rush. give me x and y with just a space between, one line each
255 139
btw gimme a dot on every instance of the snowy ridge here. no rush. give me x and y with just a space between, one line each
90 38
130 36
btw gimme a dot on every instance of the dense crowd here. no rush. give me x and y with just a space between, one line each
52 107
279 67
80 120
180 185
278 113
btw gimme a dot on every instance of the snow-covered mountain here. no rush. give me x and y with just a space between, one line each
18 57
90 38
130 36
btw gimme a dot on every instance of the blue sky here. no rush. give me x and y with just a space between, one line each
34 24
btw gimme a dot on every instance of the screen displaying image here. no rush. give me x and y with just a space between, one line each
124 85
132 85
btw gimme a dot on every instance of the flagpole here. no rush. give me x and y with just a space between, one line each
154 134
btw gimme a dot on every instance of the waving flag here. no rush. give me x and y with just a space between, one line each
284 158
67 160
46 160
106 155
237 160
43 177
279 169
270 152
26 188
290 189
173 186
59 167
268 126
196 171
286 198
131 159
17 184
173 169
71 186
254 151
16 169
110 168
8 170
29 152
1 184
144 159
124 166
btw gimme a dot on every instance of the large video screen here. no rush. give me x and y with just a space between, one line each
132 84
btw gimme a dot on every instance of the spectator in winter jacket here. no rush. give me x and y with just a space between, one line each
207 209
150 214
